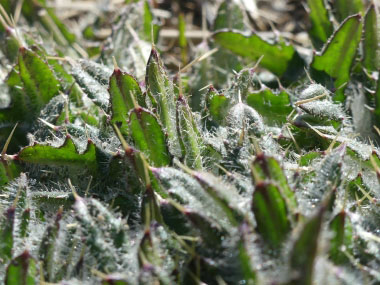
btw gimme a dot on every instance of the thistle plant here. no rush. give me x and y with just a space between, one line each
115 170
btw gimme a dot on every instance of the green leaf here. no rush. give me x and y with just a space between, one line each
270 210
267 168
342 236
24 225
244 117
245 254
224 194
307 158
125 92
148 23
187 191
148 136
67 154
279 58
376 112
67 35
304 250
335 61
273 106
229 16
114 224
324 109
189 135
371 50
22 270
94 237
39 82
162 90
182 41
6 234
217 105
67 82
8 171
150 210
345 8
93 79
321 26
48 247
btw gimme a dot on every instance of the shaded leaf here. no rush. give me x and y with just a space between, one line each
304 250
371 50
345 8
321 26
335 61
342 236
229 16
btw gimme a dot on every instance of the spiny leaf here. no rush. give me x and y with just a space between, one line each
124 93
324 109
67 154
279 58
269 169
6 234
271 213
148 136
185 189
114 224
162 91
242 116
322 27
94 237
223 194
371 51
304 250
22 270
334 62
246 256
48 247
189 135
92 83
39 82
329 176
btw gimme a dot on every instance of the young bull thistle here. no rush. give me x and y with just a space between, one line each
119 177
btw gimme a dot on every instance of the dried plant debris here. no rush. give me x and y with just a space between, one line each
231 155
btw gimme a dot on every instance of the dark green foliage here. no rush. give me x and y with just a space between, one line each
335 61
126 178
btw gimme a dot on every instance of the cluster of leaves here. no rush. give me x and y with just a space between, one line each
119 181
